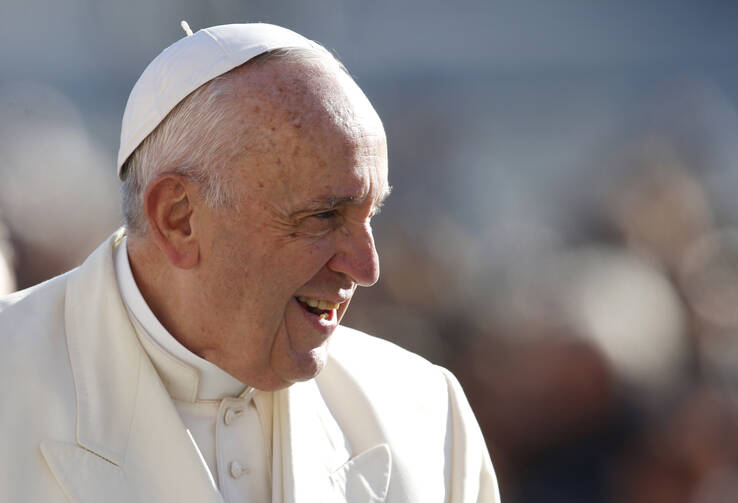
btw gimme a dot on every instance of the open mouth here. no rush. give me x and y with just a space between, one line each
322 308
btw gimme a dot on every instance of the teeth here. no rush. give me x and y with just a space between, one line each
325 305
320 304
324 316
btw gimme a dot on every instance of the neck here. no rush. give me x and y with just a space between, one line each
163 288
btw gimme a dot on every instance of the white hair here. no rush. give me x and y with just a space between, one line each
194 140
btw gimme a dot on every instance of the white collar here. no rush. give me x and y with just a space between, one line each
206 380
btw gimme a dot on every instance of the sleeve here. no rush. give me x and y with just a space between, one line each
472 476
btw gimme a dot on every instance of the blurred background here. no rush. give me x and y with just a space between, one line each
562 230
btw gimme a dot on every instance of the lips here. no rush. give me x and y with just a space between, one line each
319 307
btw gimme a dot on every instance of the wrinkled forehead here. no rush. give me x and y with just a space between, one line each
305 130
310 135
302 93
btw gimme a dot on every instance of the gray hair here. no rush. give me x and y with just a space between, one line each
190 141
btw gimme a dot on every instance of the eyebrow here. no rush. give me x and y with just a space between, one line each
330 202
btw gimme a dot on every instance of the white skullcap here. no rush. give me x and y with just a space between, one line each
189 63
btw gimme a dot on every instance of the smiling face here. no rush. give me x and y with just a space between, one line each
277 271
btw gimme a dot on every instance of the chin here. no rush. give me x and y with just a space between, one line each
308 366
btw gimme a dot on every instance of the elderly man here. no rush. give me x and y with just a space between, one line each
196 356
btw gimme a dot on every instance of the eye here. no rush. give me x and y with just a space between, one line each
326 215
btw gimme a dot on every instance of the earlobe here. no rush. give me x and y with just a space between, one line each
169 206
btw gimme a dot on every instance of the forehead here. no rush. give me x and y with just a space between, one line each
310 133
318 165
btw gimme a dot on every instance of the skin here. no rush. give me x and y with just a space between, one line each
312 174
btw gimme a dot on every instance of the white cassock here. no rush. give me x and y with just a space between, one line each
98 406
229 422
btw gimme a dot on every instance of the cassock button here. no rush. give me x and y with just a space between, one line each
235 469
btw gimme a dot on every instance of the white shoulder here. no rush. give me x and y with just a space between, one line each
380 369
28 318
28 302
381 393
362 352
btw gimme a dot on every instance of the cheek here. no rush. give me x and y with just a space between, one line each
256 274
305 257
230 271
224 287
318 254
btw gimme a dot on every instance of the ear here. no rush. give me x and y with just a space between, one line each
169 203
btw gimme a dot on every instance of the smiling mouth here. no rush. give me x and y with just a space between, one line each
322 308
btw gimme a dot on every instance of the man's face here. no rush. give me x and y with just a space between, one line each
279 269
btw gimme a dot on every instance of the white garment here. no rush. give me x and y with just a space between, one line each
230 423
86 417
206 380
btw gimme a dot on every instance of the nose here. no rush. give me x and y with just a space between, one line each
356 256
